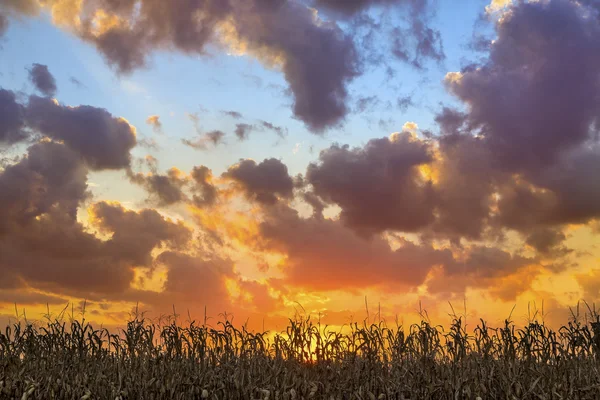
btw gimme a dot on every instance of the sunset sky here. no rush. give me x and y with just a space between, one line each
262 157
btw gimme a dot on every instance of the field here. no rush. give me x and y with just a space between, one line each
69 359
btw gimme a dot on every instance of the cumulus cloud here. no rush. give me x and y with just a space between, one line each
379 186
102 140
42 79
465 184
528 139
537 94
44 247
548 241
12 118
135 234
205 191
164 189
49 177
264 182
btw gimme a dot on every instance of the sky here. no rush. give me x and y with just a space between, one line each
262 158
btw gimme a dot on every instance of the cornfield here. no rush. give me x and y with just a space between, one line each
67 358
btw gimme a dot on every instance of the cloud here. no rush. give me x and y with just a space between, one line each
414 44
49 177
206 193
280 131
76 82
536 95
164 190
44 247
548 241
465 184
232 114
243 130
323 255
379 186
350 7
135 234
426 42
366 103
264 182
42 79
102 140
154 122
41 243
12 118
195 280
213 137
27 7
22 298
148 143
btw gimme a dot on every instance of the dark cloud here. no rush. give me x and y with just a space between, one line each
12 118
22 298
205 192
43 80
547 241
316 203
44 247
450 121
243 130
102 140
537 94
404 102
280 131
413 44
417 43
202 143
366 103
164 189
573 183
49 177
317 64
379 186
76 82
263 182
41 243
350 7
27 7
232 114
465 184
135 234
